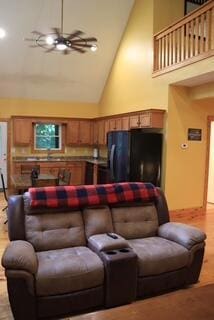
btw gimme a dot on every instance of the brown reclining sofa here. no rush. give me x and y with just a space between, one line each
77 248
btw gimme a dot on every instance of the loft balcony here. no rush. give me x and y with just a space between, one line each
189 40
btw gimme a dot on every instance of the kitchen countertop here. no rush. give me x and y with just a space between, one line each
101 161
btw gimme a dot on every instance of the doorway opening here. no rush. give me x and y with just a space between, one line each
210 165
4 152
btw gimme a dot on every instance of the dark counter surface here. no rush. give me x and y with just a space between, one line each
100 161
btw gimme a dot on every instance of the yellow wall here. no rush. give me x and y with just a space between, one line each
173 11
9 107
131 87
185 168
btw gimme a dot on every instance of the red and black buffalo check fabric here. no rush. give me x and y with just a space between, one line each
87 195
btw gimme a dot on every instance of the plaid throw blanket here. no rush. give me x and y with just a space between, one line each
87 195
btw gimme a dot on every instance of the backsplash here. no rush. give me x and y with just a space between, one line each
69 151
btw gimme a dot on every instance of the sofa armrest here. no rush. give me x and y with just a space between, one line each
20 255
102 242
181 233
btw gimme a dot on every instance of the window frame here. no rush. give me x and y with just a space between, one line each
61 138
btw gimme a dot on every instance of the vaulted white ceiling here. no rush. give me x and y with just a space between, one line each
31 73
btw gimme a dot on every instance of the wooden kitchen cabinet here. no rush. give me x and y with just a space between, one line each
77 169
147 119
101 132
95 133
79 132
22 131
72 132
115 124
134 121
125 123
85 132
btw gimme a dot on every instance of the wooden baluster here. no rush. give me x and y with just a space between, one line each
182 43
178 45
159 54
167 50
162 53
192 31
196 36
202 34
207 31
170 48
187 41
174 47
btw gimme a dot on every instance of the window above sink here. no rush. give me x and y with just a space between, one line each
47 136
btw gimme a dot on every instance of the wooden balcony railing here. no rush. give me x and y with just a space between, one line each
189 40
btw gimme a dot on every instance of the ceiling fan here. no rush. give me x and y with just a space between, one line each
57 40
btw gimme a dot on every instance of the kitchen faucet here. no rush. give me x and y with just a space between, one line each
49 154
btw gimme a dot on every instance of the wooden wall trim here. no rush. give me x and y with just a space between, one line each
183 212
8 147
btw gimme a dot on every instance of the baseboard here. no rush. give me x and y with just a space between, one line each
184 212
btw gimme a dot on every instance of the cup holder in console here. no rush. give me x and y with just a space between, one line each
124 250
111 252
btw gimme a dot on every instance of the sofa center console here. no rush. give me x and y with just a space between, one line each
120 276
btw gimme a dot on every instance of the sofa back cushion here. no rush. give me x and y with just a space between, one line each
49 231
97 220
135 222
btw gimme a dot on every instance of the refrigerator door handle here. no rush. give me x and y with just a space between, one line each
159 176
112 153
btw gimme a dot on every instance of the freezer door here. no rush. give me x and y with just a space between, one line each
118 155
145 159
112 163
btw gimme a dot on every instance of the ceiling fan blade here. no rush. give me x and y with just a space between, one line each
82 45
85 39
78 49
74 34
29 39
57 32
38 33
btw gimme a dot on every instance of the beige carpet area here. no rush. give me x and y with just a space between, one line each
185 304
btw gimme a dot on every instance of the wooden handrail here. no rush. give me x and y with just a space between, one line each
188 40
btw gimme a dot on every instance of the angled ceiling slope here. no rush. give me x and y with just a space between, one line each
33 74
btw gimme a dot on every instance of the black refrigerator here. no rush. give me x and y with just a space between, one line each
135 156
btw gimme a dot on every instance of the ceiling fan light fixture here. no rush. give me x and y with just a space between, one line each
61 46
58 40
2 33
49 40
93 47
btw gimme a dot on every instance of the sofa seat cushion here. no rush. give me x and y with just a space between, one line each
157 255
68 270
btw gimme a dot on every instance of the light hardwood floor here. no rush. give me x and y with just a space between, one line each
204 221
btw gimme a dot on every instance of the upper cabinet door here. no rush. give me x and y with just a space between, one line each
125 123
79 132
101 132
72 132
22 131
85 132
134 121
